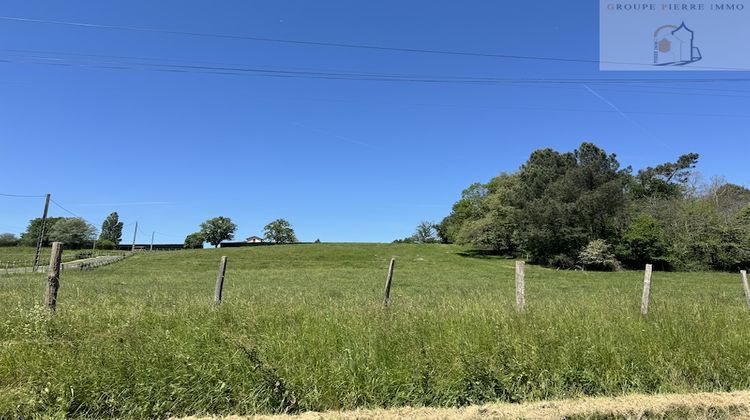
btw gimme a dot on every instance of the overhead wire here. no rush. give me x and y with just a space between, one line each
332 44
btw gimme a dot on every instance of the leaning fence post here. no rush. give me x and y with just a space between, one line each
746 287
388 282
219 290
520 285
53 277
646 290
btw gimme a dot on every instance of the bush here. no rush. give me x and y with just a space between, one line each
598 255
8 239
561 261
105 244
194 241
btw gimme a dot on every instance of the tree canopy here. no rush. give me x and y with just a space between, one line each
218 229
112 229
581 208
279 231
73 232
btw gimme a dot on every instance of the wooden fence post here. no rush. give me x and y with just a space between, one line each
388 282
219 290
53 277
646 290
520 285
746 287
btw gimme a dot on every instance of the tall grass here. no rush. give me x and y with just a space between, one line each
302 328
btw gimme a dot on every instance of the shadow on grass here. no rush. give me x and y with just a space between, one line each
483 254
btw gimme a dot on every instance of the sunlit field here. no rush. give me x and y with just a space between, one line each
302 327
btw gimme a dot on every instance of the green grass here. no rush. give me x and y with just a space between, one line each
302 328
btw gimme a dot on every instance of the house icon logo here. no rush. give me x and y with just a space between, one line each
673 46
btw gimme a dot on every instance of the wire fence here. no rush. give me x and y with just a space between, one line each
83 258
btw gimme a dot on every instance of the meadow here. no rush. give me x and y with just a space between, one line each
302 328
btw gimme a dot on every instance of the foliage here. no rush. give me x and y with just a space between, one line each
112 229
218 229
302 328
558 203
280 232
8 239
469 207
194 240
642 243
426 233
31 235
598 255
105 244
73 232
666 181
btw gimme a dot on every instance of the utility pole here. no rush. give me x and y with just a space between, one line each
135 233
41 233
152 241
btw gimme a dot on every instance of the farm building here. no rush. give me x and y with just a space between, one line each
254 240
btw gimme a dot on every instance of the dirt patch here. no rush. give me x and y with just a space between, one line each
713 405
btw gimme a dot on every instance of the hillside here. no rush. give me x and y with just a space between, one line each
302 328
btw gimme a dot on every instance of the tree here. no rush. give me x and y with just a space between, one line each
568 200
642 243
33 230
218 229
469 207
112 228
496 228
74 232
8 239
426 233
279 231
667 180
194 241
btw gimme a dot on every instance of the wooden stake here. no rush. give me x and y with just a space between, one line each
646 290
746 287
520 285
219 290
388 282
53 277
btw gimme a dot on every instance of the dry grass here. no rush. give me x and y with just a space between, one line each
709 405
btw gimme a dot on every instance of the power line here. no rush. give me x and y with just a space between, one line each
332 44
118 63
64 209
21 196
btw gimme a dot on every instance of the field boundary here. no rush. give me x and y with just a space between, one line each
82 264
695 406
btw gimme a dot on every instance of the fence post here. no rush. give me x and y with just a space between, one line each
746 287
53 277
219 290
646 290
520 285
388 282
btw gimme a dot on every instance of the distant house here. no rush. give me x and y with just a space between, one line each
254 240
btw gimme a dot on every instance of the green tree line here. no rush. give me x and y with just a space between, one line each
582 209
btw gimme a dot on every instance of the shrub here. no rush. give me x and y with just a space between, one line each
194 240
8 239
598 255
105 244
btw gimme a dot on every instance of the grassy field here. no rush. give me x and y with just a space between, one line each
302 328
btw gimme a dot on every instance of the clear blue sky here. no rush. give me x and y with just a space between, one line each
342 160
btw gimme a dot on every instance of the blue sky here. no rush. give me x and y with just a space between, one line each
342 160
